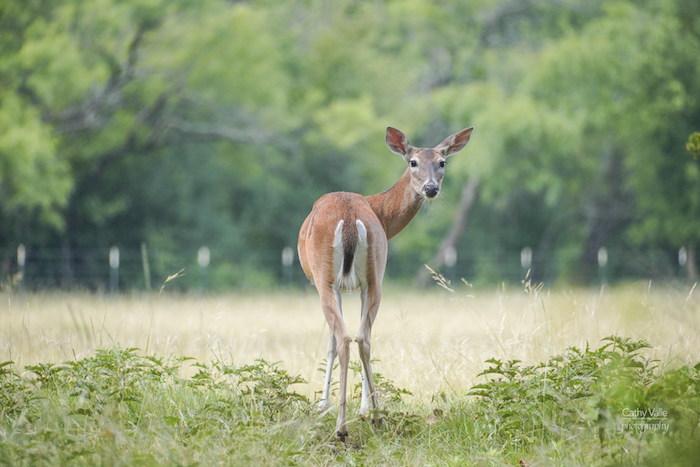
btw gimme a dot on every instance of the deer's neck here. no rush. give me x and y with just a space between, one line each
396 206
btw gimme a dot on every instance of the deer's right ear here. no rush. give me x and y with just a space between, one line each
397 141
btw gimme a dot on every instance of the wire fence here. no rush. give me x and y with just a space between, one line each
117 269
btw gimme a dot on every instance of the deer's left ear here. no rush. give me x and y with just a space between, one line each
455 143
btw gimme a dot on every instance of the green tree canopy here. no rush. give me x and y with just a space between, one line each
182 124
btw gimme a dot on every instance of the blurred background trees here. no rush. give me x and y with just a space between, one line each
180 124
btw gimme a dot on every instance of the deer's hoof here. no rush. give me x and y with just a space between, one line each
364 411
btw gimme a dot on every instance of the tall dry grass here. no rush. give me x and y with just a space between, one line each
425 342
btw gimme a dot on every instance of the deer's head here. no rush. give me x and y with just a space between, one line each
426 165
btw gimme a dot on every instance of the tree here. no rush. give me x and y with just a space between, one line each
217 123
587 115
635 70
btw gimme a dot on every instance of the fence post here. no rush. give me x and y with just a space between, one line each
113 269
603 265
450 262
287 261
525 260
203 258
682 260
146 266
21 260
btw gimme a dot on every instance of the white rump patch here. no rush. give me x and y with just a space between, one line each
361 232
360 266
352 280
338 236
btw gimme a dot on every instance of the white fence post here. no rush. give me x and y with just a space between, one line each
21 260
114 269
526 260
603 265
287 262
203 259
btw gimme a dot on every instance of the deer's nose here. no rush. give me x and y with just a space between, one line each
431 190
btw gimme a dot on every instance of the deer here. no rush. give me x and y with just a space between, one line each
343 245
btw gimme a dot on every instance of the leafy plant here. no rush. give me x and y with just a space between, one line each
611 392
118 407
15 393
693 144
387 391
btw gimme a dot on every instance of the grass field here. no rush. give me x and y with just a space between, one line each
433 344
424 341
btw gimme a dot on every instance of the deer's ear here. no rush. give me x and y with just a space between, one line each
397 142
455 143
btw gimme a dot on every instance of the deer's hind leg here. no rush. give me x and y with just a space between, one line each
370 399
330 303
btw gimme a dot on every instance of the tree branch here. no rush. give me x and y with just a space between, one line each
251 135
497 17
98 107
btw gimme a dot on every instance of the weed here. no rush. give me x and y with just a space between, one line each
612 392
15 392
386 389
581 404
65 413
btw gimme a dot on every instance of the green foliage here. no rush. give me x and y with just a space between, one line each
27 154
85 412
262 383
612 392
693 144
525 403
583 407
16 393
182 124
386 390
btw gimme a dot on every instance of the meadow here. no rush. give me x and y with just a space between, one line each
468 377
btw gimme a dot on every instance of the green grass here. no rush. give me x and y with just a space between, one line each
121 408
582 378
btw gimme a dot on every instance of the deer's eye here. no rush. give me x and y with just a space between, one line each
442 163
413 163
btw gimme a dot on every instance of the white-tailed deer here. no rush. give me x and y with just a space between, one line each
343 247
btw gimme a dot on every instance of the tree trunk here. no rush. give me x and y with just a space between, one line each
470 192
608 206
539 270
